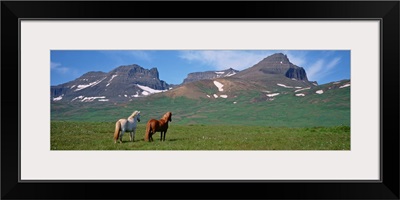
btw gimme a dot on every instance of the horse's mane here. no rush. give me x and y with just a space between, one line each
134 114
166 116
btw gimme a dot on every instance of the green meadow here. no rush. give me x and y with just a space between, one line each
246 122
99 136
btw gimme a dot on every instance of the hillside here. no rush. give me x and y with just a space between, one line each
314 108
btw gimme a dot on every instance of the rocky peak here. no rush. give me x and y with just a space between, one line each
136 71
196 76
278 58
274 67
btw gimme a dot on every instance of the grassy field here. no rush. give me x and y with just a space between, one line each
247 121
99 136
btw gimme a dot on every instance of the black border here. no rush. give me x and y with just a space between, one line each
386 11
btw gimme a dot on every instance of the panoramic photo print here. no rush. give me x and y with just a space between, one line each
200 99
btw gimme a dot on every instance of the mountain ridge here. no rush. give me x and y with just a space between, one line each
274 73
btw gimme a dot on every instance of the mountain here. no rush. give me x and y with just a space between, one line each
274 74
276 69
120 84
196 76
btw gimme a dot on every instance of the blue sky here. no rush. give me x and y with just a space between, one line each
174 65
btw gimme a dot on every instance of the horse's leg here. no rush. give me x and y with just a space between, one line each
165 133
133 135
120 136
116 138
151 137
130 136
161 134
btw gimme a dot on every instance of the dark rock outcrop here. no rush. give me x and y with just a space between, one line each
138 75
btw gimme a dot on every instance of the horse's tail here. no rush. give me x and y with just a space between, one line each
147 135
117 130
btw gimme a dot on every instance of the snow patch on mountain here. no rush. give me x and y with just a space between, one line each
219 86
136 95
58 98
346 85
282 85
302 89
230 74
112 77
81 87
272 95
90 99
149 90
80 97
219 74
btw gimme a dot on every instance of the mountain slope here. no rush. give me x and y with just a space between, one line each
315 108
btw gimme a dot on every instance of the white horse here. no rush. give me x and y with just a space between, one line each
124 125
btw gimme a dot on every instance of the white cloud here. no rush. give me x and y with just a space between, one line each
54 65
315 69
58 68
321 68
333 63
221 60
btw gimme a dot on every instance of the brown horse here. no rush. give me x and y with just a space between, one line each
154 126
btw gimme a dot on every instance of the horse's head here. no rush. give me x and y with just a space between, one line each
138 116
168 116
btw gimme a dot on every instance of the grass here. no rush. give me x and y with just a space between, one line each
247 121
329 109
99 136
